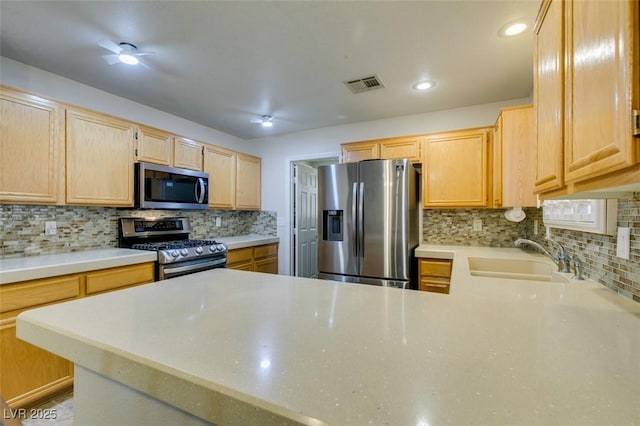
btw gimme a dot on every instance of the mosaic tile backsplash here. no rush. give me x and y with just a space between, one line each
84 228
455 227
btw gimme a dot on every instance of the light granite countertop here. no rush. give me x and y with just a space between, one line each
26 268
249 240
288 350
18 269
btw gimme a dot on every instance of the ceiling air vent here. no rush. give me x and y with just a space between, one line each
364 84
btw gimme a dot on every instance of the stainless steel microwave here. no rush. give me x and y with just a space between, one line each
164 187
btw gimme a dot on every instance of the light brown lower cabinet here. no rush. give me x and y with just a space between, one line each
435 275
29 374
263 258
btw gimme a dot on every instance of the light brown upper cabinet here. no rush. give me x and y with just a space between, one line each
32 149
154 146
548 93
187 153
359 151
602 87
455 169
385 149
220 163
405 147
514 151
598 44
100 157
248 182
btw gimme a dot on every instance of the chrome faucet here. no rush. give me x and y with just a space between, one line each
578 268
562 259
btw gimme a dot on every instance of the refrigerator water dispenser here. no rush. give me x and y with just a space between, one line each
332 225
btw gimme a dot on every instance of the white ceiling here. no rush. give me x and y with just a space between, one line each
222 64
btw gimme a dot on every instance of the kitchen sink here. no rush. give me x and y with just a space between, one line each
515 269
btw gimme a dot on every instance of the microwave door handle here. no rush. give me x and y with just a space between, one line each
200 194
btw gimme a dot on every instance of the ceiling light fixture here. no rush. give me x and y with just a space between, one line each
128 53
127 58
424 85
264 121
513 28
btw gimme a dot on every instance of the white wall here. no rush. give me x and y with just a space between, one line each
62 89
278 151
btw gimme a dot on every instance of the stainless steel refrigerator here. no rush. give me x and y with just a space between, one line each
369 222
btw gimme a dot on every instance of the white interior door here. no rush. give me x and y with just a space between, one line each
306 221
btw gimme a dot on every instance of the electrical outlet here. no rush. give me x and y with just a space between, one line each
624 243
50 228
535 227
218 221
477 225
547 233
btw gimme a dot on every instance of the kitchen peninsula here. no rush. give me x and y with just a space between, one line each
237 348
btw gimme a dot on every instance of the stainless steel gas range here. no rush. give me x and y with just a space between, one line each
169 236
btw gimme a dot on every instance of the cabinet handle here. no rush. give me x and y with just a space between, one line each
636 122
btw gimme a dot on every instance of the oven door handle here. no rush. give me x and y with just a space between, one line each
199 266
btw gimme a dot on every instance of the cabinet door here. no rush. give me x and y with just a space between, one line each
401 148
29 373
154 146
602 86
518 150
359 151
455 169
248 182
548 92
187 154
496 163
32 149
100 157
221 165
269 266
241 258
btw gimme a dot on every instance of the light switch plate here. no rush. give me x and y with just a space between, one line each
218 221
624 237
477 224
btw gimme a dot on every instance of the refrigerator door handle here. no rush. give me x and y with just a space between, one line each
361 219
354 219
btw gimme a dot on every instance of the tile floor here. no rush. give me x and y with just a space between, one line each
61 406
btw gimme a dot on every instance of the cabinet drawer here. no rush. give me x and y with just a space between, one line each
240 255
119 277
18 296
246 266
436 267
268 250
434 286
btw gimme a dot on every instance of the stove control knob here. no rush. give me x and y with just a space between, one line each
198 250
184 252
213 249
220 247
174 253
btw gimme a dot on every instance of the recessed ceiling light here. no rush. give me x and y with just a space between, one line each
424 85
513 28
